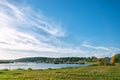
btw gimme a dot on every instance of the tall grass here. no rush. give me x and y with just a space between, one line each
75 73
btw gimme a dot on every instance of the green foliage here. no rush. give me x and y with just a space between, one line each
30 69
104 61
101 63
50 69
20 69
94 65
117 56
5 69
6 61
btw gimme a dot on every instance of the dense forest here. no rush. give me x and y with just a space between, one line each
62 60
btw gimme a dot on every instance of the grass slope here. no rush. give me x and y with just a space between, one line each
76 73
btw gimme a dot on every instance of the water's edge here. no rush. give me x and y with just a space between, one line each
12 66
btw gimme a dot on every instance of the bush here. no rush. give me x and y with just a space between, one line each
30 69
5 69
94 65
50 69
20 69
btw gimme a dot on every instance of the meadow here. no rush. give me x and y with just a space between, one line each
71 73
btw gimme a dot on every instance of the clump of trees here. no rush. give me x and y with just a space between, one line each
105 61
110 61
6 61
117 58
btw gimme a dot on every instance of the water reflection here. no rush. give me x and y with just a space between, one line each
37 65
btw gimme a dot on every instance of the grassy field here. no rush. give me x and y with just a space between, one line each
76 73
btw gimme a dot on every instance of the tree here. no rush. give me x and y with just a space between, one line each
117 56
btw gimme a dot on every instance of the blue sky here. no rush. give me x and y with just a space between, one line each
58 28
97 20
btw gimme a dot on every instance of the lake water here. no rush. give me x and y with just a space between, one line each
37 65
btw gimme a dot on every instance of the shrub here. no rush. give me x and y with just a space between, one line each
5 69
29 68
50 69
20 69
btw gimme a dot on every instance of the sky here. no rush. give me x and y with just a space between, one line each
59 28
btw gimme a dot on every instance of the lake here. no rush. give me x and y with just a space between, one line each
37 65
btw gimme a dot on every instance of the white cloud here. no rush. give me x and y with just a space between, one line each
89 45
25 32
27 18
100 51
96 47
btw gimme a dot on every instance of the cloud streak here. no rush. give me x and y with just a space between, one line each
96 47
25 32
100 51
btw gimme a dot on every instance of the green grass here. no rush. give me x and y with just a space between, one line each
76 73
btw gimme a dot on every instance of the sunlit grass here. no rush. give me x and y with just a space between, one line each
76 73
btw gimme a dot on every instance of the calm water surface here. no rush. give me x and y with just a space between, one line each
37 65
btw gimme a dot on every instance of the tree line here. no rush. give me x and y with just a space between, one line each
60 60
